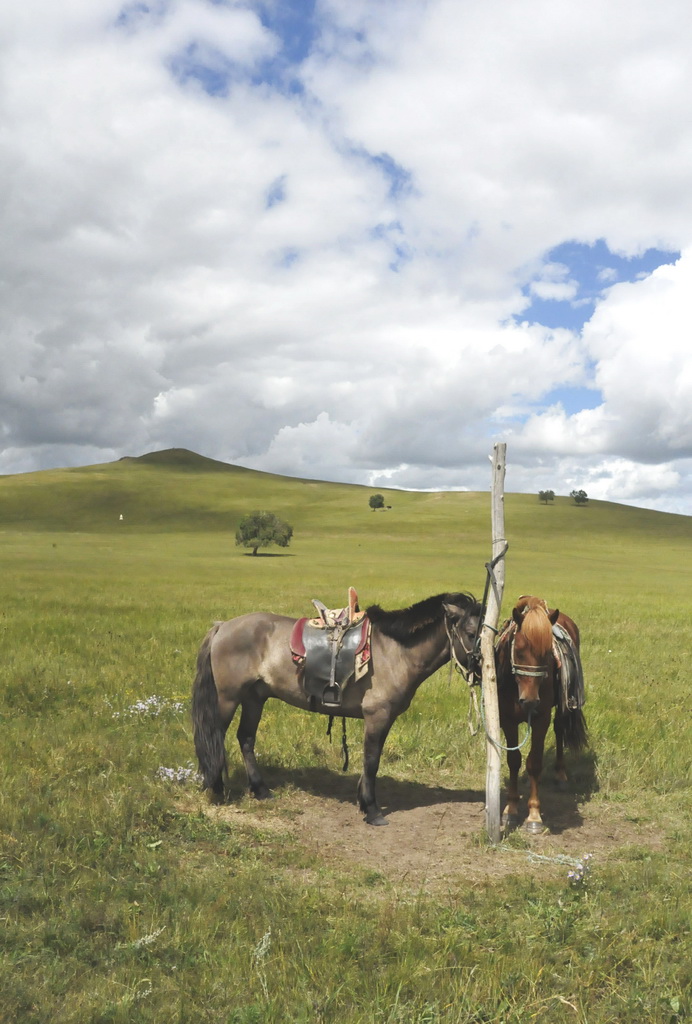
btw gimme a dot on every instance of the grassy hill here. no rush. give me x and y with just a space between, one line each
177 490
422 538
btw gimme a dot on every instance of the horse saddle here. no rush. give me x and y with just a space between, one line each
331 650
572 694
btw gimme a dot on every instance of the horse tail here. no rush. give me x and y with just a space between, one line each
574 731
207 726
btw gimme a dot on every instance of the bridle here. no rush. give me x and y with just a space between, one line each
529 671
473 672
532 671
469 671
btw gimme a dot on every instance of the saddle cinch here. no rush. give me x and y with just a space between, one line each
331 650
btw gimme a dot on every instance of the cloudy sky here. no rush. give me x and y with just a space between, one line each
355 240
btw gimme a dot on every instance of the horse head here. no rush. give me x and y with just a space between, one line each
462 621
532 648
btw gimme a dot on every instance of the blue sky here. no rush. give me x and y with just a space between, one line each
295 28
357 241
587 271
296 25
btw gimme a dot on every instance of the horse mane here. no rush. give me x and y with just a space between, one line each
532 614
411 625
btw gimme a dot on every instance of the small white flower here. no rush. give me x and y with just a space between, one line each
146 940
150 707
262 948
181 774
581 871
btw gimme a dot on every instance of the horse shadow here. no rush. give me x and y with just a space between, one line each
328 784
560 806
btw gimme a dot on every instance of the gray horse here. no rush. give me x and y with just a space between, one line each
246 660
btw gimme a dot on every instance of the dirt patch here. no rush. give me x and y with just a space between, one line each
435 837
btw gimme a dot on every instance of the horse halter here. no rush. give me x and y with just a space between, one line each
531 671
452 630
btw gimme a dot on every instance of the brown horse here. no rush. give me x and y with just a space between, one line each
538 669
246 660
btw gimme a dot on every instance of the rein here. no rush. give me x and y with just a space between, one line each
501 746
473 678
476 657
452 635
473 674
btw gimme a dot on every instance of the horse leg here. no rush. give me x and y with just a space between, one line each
534 767
227 709
217 783
560 771
252 707
510 815
377 728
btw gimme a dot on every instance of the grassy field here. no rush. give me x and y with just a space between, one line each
122 900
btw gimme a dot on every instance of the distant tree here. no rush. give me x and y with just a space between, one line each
580 497
260 529
546 496
376 501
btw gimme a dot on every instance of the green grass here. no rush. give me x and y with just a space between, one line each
121 901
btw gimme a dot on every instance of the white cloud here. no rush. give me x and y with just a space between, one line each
639 342
553 282
251 273
321 449
629 480
561 291
640 338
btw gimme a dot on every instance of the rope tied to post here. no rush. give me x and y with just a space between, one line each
477 659
473 673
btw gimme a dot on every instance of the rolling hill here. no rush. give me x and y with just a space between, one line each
179 491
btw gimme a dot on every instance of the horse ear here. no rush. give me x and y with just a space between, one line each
518 615
453 610
553 615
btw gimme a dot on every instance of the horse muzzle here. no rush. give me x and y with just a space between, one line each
528 705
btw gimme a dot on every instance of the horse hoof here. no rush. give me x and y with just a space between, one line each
263 793
376 819
510 822
535 828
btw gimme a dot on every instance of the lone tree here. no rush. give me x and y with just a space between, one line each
260 529
376 501
546 496
580 497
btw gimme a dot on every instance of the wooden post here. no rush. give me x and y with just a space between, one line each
488 634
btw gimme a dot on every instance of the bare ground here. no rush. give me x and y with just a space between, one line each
435 836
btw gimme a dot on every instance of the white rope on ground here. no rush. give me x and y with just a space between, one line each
560 858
